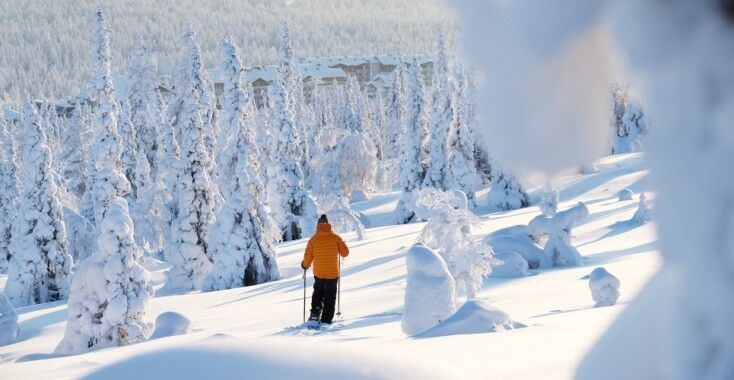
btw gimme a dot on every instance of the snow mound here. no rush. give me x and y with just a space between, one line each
509 265
522 245
222 359
644 210
475 317
604 287
625 195
429 292
359 195
171 323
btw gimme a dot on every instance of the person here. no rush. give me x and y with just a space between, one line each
323 251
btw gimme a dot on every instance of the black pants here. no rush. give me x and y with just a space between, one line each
324 298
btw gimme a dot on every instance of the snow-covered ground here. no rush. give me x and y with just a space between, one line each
256 330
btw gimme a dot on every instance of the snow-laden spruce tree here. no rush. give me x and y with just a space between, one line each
195 193
110 290
394 118
429 290
460 144
289 200
167 151
75 155
241 238
128 137
413 154
357 161
440 118
140 97
291 79
506 192
629 124
9 188
147 233
107 180
40 266
448 231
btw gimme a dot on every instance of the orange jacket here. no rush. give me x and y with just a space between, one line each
322 250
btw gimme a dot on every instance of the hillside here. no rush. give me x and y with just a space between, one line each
255 330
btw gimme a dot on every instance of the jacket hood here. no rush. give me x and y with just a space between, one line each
323 228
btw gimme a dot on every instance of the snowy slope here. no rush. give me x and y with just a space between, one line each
256 329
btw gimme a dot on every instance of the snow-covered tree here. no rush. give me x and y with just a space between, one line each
412 170
188 245
448 231
291 79
429 290
241 238
288 198
9 188
549 201
357 161
167 151
106 177
628 121
341 217
559 250
75 156
440 119
110 290
506 192
140 97
395 117
128 137
460 144
40 266
146 236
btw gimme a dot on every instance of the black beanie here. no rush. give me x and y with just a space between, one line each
323 219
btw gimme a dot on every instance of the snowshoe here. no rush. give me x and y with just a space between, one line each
313 323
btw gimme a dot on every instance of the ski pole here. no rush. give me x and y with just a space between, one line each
339 292
304 296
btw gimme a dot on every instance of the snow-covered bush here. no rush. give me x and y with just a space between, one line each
357 162
625 195
171 323
40 267
448 231
474 317
644 210
506 193
81 234
508 264
341 216
9 328
629 124
110 290
539 228
604 287
558 249
429 290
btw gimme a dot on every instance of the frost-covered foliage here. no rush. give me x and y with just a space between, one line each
558 248
9 328
128 137
644 210
140 97
288 198
629 124
187 247
429 290
9 188
341 216
40 266
448 231
76 147
110 290
82 235
461 143
242 237
604 287
625 195
107 178
506 192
